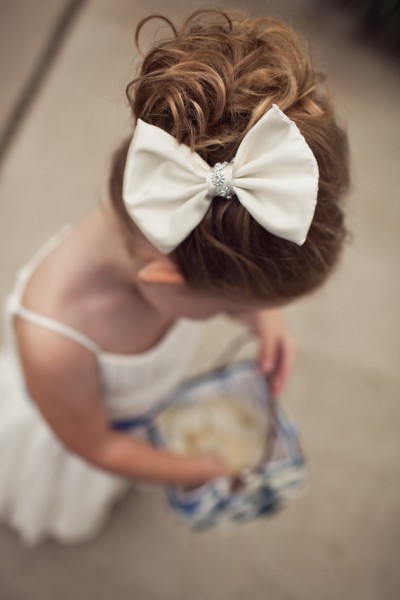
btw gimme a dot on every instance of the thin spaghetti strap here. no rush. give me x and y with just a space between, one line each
57 327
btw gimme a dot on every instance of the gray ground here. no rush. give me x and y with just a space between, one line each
342 538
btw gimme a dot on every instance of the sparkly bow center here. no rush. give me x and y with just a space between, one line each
220 180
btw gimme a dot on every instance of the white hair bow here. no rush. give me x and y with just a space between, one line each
167 188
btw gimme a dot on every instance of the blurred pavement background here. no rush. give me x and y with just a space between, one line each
341 539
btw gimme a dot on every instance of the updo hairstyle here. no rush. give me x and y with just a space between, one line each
207 85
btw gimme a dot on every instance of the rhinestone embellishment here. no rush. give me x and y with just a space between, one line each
218 180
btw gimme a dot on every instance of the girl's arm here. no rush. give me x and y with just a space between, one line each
62 379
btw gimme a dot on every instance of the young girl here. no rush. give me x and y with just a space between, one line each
228 201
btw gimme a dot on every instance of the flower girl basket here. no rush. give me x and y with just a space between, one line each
280 472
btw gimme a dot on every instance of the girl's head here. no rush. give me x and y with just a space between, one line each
207 86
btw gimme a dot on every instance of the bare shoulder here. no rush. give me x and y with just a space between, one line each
52 362
50 351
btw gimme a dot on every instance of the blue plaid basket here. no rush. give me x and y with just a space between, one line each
279 477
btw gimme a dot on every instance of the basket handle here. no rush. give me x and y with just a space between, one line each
230 352
226 357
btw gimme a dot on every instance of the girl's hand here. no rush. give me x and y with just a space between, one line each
204 468
278 346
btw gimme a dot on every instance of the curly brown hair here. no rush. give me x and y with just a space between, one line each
207 86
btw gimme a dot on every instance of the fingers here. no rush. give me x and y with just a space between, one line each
278 349
277 359
283 366
268 354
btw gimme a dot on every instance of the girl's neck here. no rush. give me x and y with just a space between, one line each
114 256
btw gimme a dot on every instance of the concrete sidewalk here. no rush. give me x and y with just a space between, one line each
342 538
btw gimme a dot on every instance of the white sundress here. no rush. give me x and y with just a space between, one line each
45 490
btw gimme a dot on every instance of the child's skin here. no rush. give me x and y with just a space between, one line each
125 302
